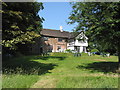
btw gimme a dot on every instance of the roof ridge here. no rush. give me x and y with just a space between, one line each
55 30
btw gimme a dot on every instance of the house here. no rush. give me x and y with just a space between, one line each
59 41
54 40
78 42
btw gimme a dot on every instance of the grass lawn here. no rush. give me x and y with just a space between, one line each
60 70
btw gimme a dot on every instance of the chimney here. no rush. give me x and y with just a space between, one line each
61 28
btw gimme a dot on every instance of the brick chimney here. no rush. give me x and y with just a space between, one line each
61 28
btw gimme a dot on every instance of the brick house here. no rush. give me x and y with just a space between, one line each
54 40
58 41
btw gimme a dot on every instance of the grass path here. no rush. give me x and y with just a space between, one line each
51 82
68 70
62 70
46 82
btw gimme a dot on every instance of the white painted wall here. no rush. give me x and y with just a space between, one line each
52 50
70 47
81 49
81 43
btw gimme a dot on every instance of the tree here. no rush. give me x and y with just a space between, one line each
21 23
100 21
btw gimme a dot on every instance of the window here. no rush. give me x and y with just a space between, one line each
59 39
59 47
46 38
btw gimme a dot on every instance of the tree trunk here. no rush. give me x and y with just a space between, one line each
119 63
118 68
119 60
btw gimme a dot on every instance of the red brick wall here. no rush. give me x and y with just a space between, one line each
55 43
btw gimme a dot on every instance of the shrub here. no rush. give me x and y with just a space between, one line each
68 50
94 50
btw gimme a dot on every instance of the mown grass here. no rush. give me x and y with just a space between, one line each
61 70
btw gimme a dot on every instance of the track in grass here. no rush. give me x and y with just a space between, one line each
63 70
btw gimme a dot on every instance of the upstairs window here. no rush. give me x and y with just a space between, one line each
59 39
46 38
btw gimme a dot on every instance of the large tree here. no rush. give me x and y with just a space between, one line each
20 23
101 22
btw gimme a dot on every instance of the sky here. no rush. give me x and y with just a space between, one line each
56 14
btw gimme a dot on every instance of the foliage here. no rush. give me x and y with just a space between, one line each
100 21
21 23
68 50
94 50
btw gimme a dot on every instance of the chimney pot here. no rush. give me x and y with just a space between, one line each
61 28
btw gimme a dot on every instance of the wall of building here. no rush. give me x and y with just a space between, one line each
55 44
49 44
81 43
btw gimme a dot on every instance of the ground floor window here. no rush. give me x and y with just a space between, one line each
59 47
84 49
77 48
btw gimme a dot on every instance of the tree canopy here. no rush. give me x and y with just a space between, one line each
20 23
100 20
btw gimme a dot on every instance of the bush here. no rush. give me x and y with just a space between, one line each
68 50
94 50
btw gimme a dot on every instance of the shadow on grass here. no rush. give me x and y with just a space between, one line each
51 57
105 67
26 65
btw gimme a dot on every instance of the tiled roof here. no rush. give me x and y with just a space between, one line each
58 33
55 33
74 34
